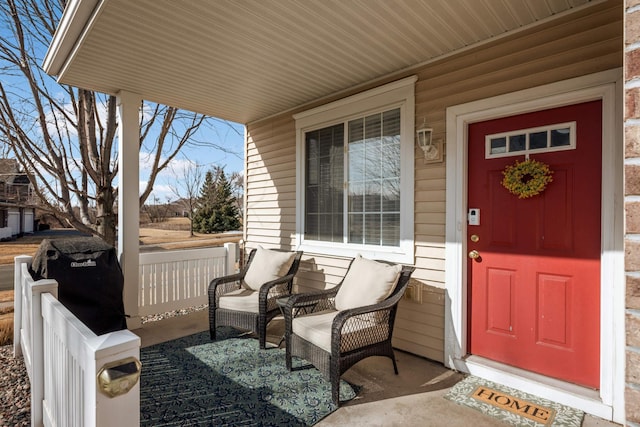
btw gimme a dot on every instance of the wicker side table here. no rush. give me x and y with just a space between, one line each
304 309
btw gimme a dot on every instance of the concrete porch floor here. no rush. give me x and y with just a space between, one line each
414 397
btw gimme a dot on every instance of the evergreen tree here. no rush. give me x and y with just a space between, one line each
204 205
217 209
65 138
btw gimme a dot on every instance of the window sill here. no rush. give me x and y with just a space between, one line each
390 254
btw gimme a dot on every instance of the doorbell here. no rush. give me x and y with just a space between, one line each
473 217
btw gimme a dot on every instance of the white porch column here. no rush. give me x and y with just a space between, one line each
128 201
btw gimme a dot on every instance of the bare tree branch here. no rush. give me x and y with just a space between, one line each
186 187
64 137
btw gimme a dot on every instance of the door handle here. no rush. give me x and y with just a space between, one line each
474 254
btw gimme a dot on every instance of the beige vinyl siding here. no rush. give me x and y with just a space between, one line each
583 43
271 185
428 339
320 272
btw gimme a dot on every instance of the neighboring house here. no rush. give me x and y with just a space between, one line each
539 293
17 212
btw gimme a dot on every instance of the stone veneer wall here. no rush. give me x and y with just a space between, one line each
632 208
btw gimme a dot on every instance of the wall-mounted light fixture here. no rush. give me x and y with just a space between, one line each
432 149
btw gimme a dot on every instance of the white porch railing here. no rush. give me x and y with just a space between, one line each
174 280
64 384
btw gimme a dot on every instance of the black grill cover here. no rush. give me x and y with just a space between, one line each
90 281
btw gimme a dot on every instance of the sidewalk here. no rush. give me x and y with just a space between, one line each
415 397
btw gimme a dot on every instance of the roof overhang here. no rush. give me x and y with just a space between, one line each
244 60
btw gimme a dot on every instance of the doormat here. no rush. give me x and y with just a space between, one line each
512 406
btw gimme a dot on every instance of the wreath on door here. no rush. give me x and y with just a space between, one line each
526 179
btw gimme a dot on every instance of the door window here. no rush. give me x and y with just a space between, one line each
557 137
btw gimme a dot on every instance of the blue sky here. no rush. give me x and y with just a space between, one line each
227 134
219 133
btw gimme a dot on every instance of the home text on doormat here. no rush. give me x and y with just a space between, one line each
516 405
513 406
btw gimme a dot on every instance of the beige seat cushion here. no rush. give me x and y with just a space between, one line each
316 328
267 265
240 300
367 282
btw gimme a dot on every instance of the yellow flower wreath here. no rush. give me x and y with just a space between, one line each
527 179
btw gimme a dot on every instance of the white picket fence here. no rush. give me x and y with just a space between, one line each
28 329
175 280
64 386
63 358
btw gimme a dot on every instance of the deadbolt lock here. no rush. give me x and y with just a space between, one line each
474 238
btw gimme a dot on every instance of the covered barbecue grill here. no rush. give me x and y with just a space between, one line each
90 280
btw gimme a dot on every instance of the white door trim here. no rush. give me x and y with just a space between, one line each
608 403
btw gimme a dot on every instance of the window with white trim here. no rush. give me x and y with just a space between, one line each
355 175
544 139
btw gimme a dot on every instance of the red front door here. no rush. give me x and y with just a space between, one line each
534 288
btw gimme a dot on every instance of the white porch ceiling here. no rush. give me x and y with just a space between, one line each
243 60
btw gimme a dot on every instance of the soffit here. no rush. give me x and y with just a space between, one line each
243 60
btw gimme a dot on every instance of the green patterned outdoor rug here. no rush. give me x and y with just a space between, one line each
229 382
512 406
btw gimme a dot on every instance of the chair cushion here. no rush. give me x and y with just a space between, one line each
315 328
367 282
267 265
240 300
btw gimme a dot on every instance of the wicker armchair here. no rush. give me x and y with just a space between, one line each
247 300
339 338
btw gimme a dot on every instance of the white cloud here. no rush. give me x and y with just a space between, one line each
179 167
161 193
